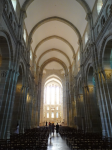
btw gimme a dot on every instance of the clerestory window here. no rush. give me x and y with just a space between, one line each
99 5
24 35
14 3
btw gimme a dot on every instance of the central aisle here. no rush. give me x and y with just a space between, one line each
57 143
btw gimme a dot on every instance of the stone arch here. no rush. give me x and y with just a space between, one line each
54 59
53 19
90 75
50 50
103 47
85 6
26 4
87 72
93 113
106 79
53 79
56 37
22 65
6 37
53 76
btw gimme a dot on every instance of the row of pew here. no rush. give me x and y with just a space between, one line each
78 139
32 139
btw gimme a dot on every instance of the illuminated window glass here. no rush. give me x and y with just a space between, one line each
14 3
24 35
48 95
56 108
99 5
52 95
57 95
47 108
57 115
31 55
86 38
47 115
52 115
78 55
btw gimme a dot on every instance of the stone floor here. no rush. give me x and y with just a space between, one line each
57 143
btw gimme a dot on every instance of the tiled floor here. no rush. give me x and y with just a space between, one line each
57 143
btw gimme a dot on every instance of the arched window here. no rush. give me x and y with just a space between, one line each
53 99
57 95
99 5
14 3
78 55
52 95
24 35
57 115
47 115
30 54
86 38
52 115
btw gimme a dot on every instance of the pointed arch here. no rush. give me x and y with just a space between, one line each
26 4
50 50
84 4
54 37
51 60
55 18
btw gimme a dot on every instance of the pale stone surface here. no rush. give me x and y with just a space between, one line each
57 143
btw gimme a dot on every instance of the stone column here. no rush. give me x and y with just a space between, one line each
42 101
86 107
23 107
100 102
64 103
7 102
67 99
39 96
106 104
1 11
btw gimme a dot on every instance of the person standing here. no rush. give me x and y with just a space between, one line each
46 123
57 128
50 128
17 129
53 128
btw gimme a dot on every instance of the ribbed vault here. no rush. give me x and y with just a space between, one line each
52 24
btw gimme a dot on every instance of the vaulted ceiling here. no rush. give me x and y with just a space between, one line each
58 24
